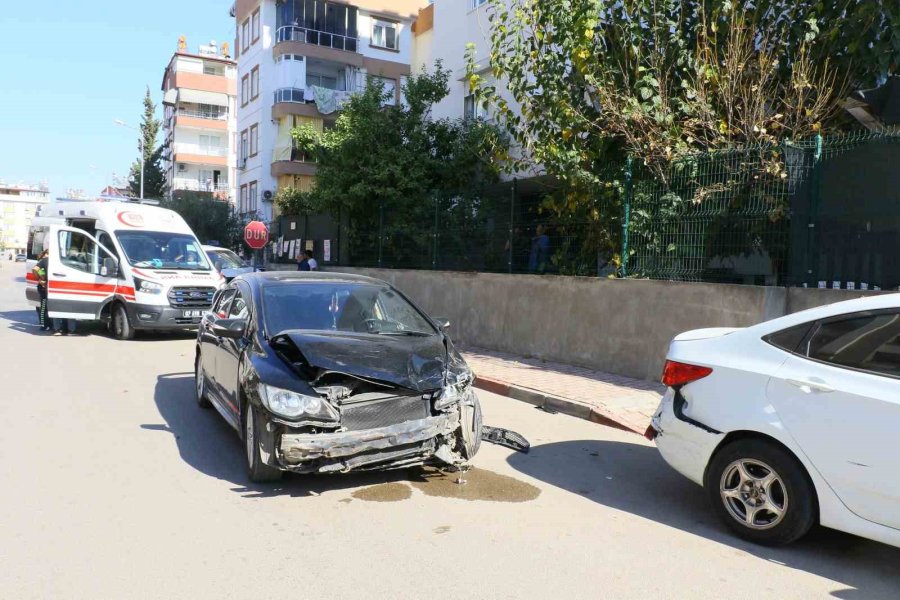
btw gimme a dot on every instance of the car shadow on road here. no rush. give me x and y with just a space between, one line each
634 478
208 444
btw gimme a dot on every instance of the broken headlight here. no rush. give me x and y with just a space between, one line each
454 392
292 405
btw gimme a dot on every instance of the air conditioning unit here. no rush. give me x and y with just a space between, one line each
182 167
267 195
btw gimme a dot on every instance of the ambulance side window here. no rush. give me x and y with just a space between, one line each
36 237
106 241
78 251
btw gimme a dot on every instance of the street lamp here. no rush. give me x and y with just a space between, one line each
141 138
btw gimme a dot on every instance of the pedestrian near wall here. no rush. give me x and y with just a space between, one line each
313 263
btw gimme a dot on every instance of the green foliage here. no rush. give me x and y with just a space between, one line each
381 158
154 176
210 219
664 79
294 202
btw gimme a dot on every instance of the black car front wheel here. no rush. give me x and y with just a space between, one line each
257 470
200 383
761 492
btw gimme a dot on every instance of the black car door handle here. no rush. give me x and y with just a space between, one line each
59 274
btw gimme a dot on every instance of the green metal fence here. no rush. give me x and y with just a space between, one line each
823 211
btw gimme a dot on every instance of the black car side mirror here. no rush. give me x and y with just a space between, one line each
229 328
442 322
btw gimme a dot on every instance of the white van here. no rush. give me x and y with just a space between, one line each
128 264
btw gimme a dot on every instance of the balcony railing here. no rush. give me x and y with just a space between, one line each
193 185
185 148
203 114
292 33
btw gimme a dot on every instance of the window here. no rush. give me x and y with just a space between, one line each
325 81
210 144
255 26
245 35
317 22
789 339
209 69
245 145
220 304
389 88
242 206
867 341
254 140
78 251
245 90
473 4
384 34
473 109
254 83
251 202
239 308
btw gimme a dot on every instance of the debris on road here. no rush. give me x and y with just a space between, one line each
505 437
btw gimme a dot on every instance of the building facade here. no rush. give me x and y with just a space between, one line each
298 62
18 204
200 122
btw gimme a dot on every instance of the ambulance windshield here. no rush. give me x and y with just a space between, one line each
162 250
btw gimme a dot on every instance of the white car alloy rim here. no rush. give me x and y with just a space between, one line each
754 494
248 435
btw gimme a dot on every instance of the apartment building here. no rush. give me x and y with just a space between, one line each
298 62
18 203
200 122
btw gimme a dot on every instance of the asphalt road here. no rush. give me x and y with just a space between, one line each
113 484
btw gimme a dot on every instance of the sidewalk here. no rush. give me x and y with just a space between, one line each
611 400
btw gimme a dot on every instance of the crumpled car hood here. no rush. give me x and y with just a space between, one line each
416 363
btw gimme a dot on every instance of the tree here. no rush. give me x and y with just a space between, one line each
662 79
211 220
382 164
154 176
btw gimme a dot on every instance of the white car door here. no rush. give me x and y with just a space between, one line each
81 274
839 397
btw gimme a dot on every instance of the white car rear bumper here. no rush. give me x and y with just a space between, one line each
686 447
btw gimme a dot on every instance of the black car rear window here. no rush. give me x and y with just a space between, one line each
789 339
326 306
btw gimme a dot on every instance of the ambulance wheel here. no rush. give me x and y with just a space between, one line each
121 326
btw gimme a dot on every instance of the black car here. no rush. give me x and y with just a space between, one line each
329 372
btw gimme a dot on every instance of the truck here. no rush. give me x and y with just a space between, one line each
130 265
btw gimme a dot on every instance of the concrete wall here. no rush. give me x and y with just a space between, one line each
620 326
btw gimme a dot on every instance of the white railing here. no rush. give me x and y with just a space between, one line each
193 185
292 33
202 114
183 147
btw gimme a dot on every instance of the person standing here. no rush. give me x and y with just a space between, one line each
540 250
313 263
303 265
40 272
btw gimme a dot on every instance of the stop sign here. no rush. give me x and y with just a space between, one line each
256 234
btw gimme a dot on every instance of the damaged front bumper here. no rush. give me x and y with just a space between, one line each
403 444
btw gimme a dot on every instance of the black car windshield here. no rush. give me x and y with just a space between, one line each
162 250
325 306
225 259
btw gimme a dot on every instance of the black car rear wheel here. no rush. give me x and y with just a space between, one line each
257 470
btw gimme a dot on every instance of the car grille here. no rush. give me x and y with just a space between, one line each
191 297
383 413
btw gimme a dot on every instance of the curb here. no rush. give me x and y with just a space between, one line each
556 403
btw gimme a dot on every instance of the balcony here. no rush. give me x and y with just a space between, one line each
293 33
200 154
196 113
193 185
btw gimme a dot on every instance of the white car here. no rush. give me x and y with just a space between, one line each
791 422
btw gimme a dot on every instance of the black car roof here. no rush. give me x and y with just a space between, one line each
268 278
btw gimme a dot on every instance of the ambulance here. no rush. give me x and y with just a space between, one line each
131 265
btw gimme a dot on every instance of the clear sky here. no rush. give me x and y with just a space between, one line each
69 67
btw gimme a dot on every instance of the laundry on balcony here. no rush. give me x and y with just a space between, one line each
326 99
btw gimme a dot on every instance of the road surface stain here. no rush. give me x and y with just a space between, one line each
442 529
481 484
385 492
